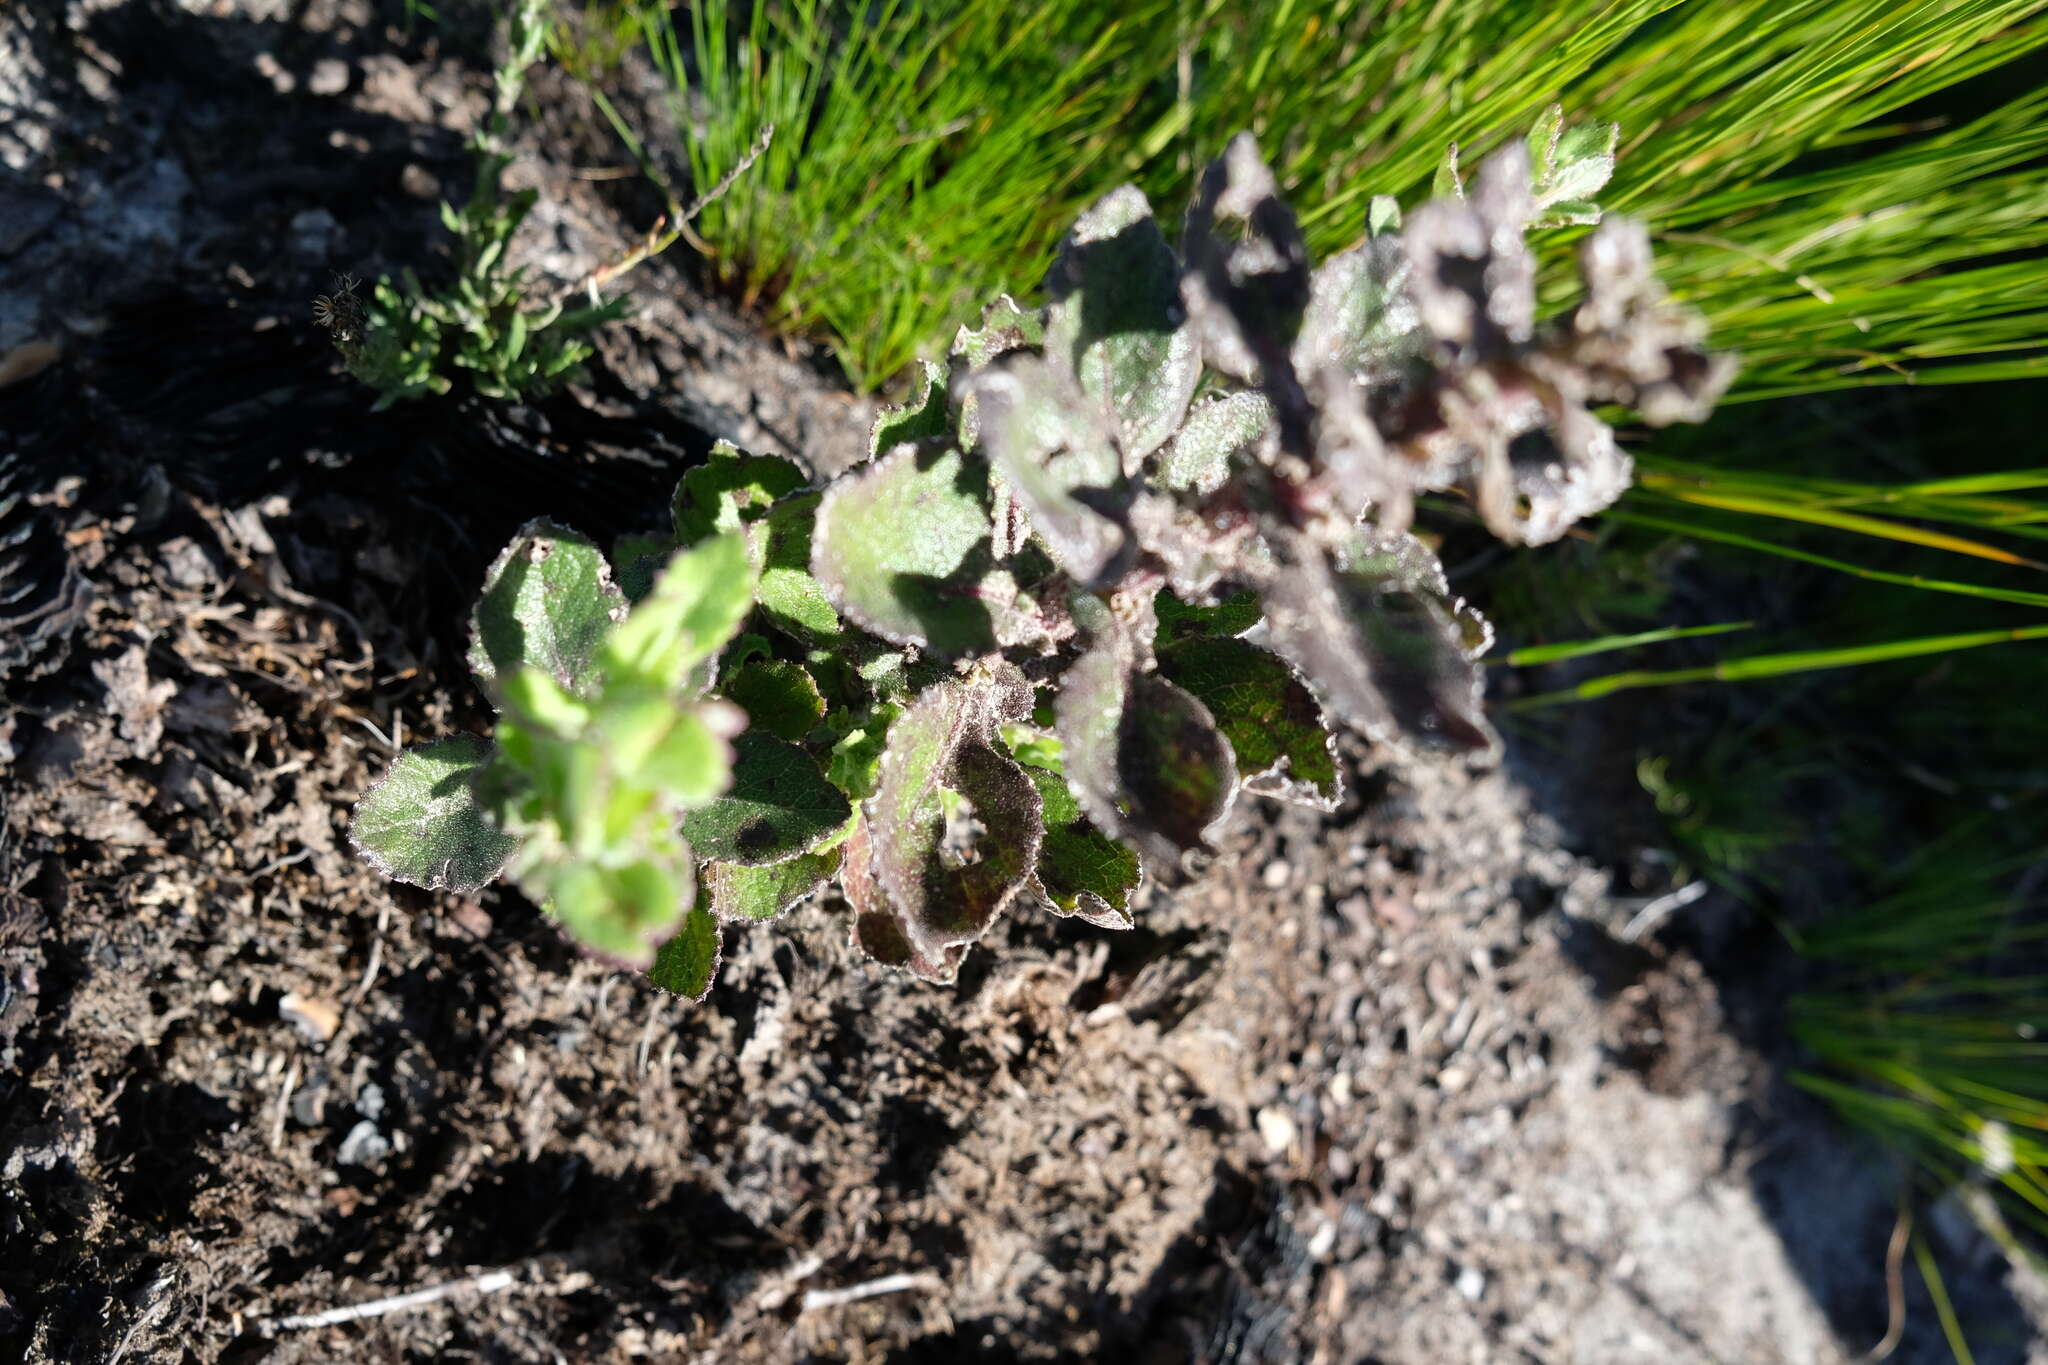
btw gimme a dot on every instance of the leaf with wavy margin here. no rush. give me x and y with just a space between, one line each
778 806
423 822
548 601
954 822
894 549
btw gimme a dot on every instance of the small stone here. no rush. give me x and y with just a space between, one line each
330 76
1471 1283
1276 1128
364 1146
419 182
310 1015
1275 875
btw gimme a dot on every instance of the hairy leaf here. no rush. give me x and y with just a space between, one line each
423 822
1082 872
1058 460
1179 620
1145 758
548 601
618 907
758 894
697 604
1217 431
1246 283
779 806
791 599
892 549
777 696
923 417
688 963
878 930
637 559
1373 633
1116 323
1360 316
1567 167
1004 327
954 821
729 490
1273 723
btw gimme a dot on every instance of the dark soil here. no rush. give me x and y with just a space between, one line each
1383 1086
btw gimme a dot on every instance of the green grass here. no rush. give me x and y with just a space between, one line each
1834 233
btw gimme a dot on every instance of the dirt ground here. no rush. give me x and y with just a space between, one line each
1392 1085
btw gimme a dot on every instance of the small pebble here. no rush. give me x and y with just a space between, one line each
330 76
1277 1128
1472 1283
364 1146
310 1015
1275 875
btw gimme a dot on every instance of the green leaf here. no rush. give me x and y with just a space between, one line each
1447 183
1005 327
1217 430
791 599
1377 635
1058 461
1272 721
549 602
893 546
1360 316
779 806
1567 167
729 490
687 963
1145 758
697 604
922 417
856 763
1179 620
1082 871
638 558
423 822
954 823
616 906
1382 216
759 894
777 696
1115 321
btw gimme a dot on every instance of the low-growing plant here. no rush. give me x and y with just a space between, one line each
408 341
1112 565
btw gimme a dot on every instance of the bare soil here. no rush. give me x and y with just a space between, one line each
1388 1085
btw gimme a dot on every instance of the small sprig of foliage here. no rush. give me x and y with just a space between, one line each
408 341
1119 560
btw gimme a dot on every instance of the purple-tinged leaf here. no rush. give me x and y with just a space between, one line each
1144 758
1057 458
1375 636
1116 323
954 823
